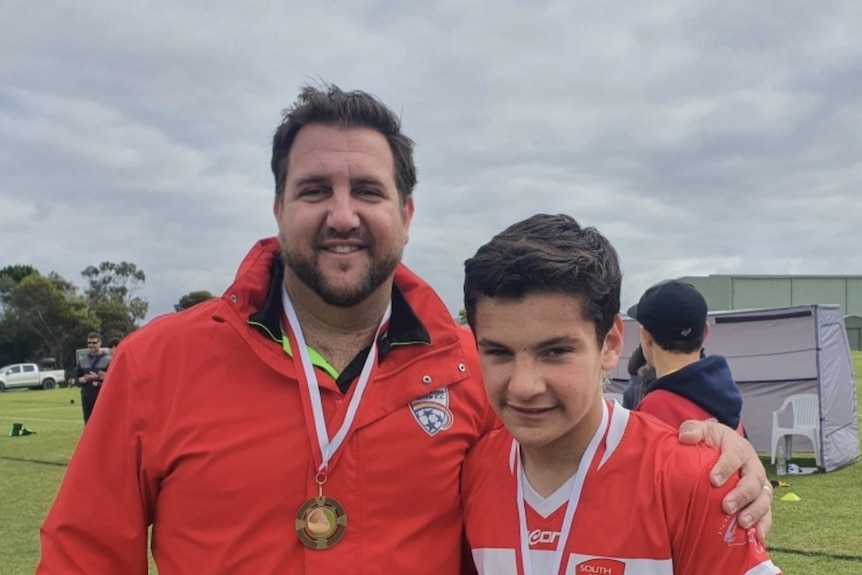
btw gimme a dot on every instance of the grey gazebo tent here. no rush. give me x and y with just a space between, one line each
777 352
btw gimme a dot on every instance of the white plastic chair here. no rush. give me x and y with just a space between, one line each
806 422
616 396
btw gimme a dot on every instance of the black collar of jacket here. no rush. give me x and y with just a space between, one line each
404 325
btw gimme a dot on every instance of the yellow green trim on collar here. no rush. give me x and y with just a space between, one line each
317 360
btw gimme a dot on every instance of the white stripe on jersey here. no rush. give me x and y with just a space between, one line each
765 568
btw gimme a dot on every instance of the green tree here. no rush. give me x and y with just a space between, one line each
15 343
462 316
114 318
44 316
10 276
192 298
17 272
112 294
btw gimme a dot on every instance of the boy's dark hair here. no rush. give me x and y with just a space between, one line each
675 346
329 105
548 254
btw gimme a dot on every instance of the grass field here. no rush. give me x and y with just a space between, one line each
818 535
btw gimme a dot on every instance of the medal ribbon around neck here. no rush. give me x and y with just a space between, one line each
571 507
328 446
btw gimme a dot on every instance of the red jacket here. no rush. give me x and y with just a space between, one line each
200 431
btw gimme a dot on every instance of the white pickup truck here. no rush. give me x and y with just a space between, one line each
29 375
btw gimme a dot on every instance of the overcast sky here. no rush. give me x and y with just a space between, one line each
699 137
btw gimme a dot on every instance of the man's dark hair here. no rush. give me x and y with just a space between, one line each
94 335
114 342
329 105
548 254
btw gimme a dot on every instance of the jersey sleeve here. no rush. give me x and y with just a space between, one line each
100 517
704 538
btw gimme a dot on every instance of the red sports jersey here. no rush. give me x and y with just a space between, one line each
646 508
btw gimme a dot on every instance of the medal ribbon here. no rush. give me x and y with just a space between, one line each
571 507
328 446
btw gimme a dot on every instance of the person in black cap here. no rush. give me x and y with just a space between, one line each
673 326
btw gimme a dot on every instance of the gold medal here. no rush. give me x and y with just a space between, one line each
321 522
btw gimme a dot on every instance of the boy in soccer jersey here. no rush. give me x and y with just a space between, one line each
553 492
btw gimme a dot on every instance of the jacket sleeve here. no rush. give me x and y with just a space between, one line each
100 517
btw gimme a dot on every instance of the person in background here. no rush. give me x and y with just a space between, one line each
646 374
112 345
315 418
551 493
90 373
689 385
636 386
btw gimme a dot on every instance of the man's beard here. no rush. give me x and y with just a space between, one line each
308 272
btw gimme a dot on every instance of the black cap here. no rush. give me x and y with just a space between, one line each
671 311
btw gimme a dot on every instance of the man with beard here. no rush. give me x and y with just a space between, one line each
315 418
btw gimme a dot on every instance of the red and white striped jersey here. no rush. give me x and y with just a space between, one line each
646 508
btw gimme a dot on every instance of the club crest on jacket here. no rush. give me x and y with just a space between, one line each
432 412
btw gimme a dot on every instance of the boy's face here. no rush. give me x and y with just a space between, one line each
543 368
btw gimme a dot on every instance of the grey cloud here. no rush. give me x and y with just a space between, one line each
718 137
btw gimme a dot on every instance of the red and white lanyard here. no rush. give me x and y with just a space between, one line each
572 505
328 446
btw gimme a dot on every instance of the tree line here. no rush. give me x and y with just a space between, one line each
46 316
